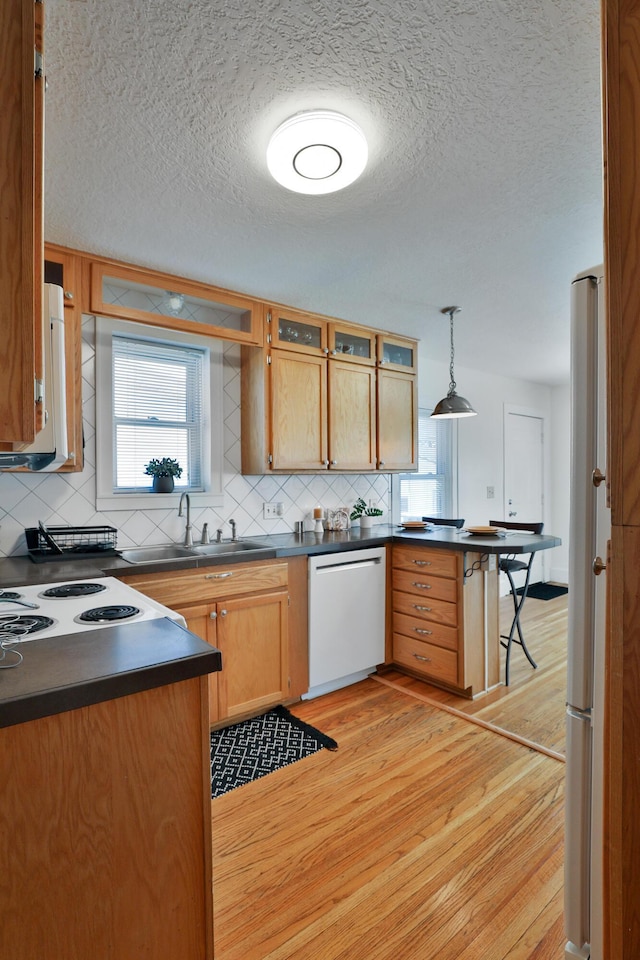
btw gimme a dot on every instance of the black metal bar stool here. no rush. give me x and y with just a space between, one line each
439 521
509 565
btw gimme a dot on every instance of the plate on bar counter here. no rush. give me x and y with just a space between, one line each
415 525
485 531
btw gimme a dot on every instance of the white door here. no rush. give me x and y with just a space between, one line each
524 473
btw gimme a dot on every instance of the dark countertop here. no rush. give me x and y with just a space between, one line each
64 673
21 571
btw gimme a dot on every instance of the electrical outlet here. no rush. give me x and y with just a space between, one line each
272 510
491 492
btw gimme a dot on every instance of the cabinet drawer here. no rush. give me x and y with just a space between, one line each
425 585
426 631
426 607
210 583
426 658
438 563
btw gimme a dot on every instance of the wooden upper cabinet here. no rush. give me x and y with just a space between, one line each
21 162
352 416
397 421
296 331
397 353
162 300
298 412
352 344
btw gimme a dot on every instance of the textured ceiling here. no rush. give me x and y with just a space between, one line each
483 186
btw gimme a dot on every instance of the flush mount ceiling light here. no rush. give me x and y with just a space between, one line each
453 406
317 152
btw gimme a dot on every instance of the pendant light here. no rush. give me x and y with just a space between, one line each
452 406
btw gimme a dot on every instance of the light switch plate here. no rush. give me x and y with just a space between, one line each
271 511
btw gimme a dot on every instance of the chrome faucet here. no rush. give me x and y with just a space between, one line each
219 535
188 542
234 536
205 533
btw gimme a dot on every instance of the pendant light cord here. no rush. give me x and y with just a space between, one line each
452 382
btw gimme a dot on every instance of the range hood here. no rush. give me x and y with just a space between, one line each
50 448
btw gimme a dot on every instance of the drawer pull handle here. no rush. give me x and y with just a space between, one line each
426 659
417 606
218 576
427 633
422 586
422 563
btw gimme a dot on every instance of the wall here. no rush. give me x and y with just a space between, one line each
69 499
481 453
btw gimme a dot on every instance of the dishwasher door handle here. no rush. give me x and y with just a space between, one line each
348 565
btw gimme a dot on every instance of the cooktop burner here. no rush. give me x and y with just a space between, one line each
110 614
20 626
63 590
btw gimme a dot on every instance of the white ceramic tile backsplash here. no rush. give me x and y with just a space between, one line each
69 499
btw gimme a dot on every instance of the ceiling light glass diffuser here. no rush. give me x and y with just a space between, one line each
453 406
174 302
317 152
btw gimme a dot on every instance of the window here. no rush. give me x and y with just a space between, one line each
154 394
157 411
429 491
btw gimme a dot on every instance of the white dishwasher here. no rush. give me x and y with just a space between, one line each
346 618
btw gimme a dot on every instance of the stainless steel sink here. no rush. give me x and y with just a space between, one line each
168 551
175 551
219 549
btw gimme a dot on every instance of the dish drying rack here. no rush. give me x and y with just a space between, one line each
70 543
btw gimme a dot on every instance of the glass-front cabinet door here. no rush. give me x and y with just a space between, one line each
352 343
165 301
293 330
397 353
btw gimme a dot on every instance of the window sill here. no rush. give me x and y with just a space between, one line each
156 501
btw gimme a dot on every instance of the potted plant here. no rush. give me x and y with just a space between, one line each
163 471
363 513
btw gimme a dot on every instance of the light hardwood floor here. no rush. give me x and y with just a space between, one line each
533 705
423 836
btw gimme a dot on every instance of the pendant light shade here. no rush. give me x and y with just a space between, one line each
453 406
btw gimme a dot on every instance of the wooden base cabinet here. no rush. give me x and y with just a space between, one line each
106 851
439 617
253 640
243 610
251 633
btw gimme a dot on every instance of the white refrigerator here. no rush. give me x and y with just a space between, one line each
589 532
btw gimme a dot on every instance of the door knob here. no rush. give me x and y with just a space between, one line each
598 566
597 477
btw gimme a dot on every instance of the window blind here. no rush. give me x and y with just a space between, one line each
157 410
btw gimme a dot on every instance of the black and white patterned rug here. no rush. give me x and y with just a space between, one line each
253 748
